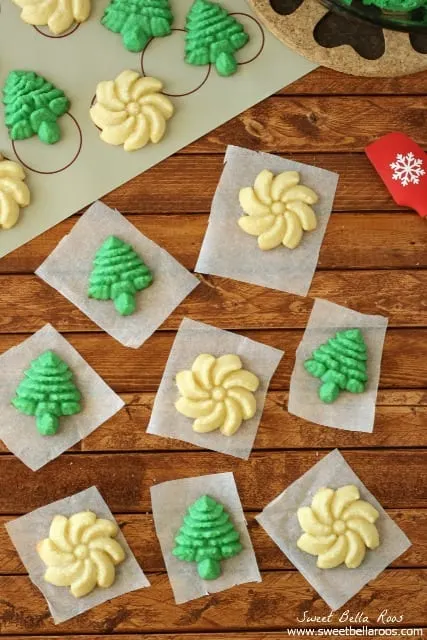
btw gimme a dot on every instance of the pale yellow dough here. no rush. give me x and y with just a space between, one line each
58 15
14 193
278 209
218 393
131 110
338 527
81 553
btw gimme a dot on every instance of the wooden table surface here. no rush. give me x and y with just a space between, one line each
373 259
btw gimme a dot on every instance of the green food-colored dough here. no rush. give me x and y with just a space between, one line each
400 6
340 364
118 274
397 5
213 36
207 536
32 106
47 392
138 21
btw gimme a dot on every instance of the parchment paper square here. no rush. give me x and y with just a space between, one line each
19 432
170 501
353 412
27 531
192 339
68 268
230 252
279 519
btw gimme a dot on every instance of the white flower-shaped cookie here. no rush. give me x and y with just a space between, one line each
80 552
58 15
131 110
14 193
278 209
338 527
218 393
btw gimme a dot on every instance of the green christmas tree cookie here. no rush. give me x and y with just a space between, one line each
47 392
118 274
207 536
138 21
33 106
213 36
340 364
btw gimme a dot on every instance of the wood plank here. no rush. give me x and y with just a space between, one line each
187 183
406 397
139 532
229 304
124 479
323 81
274 604
288 124
166 636
400 421
242 635
352 241
395 426
404 363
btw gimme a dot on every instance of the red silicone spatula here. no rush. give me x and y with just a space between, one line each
402 165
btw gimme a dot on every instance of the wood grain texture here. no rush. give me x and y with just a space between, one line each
323 81
352 241
235 305
395 426
187 183
124 479
287 124
242 635
400 421
139 532
275 603
404 363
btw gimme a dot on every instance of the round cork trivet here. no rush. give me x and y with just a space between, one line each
296 31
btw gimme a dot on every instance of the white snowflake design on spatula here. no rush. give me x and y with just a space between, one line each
407 169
